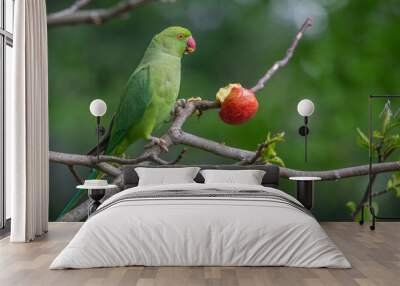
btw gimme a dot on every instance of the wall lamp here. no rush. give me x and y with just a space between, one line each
98 108
305 108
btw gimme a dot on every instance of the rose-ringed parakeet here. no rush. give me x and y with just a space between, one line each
149 97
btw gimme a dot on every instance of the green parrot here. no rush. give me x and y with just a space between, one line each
149 97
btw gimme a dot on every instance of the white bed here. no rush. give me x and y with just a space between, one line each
207 230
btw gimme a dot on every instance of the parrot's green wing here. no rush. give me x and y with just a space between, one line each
132 106
130 111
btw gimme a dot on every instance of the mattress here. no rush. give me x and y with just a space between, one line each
201 225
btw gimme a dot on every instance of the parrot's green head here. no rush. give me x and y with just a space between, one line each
176 41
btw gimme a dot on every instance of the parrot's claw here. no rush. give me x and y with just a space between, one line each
159 142
183 102
194 99
180 103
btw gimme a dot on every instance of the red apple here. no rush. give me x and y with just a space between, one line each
238 104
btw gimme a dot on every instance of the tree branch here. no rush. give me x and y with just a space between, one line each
260 84
180 137
365 197
77 5
101 163
257 155
180 156
75 174
342 173
377 194
88 161
74 16
175 136
335 174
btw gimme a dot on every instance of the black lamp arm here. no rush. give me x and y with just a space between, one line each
304 131
98 136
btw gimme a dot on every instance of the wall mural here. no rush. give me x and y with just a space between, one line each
207 113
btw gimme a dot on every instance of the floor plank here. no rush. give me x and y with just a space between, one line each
375 257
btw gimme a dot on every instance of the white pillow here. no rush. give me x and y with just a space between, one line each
248 177
165 176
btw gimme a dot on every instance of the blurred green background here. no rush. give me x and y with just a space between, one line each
350 52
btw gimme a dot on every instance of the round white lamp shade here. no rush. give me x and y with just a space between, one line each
305 107
98 107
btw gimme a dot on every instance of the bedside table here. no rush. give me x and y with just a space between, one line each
305 190
96 191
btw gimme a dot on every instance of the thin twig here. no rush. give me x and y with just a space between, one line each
377 194
364 199
77 5
156 159
180 156
75 174
260 84
257 155
93 16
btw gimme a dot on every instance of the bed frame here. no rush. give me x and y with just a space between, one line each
270 179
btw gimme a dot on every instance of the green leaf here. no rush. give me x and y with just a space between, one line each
392 141
376 207
362 139
387 118
277 161
394 183
389 184
351 205
269 154
393 126
377 134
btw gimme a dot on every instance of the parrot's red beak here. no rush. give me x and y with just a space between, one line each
190 45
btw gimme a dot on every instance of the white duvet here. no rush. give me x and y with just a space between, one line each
200 231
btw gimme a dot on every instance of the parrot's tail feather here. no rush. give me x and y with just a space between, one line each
102 147
77 197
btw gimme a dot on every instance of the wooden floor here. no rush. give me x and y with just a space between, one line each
375 257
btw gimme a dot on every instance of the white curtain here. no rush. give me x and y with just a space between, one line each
27 124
